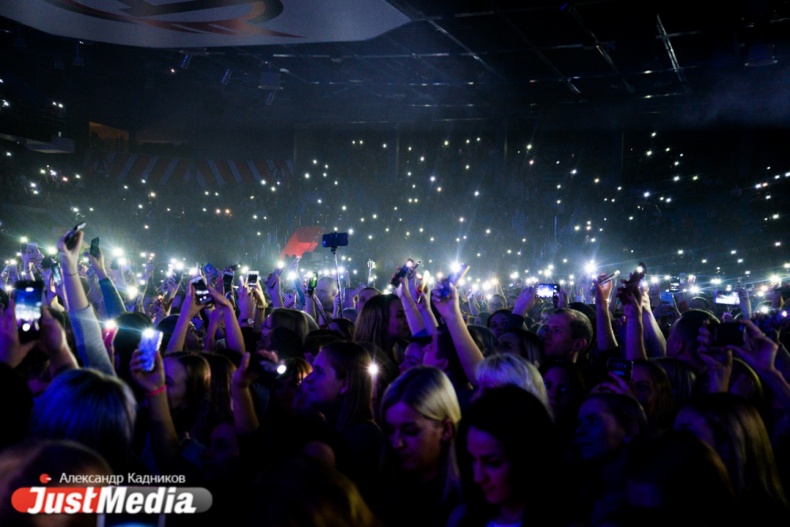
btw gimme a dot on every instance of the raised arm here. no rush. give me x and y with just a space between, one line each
450 310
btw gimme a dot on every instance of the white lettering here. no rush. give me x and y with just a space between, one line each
40 494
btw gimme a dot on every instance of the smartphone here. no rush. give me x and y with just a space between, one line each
211 273
202 294
27 302
252 277
728 334
609 277
94 251
674 284
312 282
227 281
454 278
730 298
149 347
546 290
402 272
48 262
667 297
69 239
623 368
57 276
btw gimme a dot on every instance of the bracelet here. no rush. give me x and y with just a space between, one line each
71 274
156 392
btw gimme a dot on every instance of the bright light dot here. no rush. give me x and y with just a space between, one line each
306 175
649 153
477 192
646 194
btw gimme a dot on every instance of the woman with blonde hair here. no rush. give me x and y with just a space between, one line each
420 413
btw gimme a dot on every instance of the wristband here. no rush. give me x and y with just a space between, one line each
71 274
156 392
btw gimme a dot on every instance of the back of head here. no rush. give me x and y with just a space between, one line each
484 338
351 362
373 320
292 319
626 410
286 342
687 326
675 476
681 378
507 368
70 408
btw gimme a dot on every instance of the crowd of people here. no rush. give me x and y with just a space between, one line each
296 403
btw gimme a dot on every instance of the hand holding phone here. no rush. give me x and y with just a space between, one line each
401 273
623 368
202 294
442 288
149 347
70 240
27 308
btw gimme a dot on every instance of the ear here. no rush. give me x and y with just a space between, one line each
580 345
448 430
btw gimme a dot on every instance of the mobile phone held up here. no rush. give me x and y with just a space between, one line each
312 282
27 308
227 281
727 298
252 277
149 347
94 250
443 289
620 367
547 290
633 282
70 240
202 294
402 273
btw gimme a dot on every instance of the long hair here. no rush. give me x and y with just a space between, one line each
429 392
743 442
293 319
352 363
197 398
538 471
89 407
373 321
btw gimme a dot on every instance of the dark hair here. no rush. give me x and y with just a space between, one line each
351 362
346 327
538 474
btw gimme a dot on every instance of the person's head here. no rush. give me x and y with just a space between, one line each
498 320
682 340
566 389
364 295
89 407
674 478
733 427
194 337
506 463
497 302
315 340
521 342
287 383
188 381
288 318
681 379
484 338
340 385
343 327
651 387
568 334
607 423
441 353
326 291
221 376
382 321
284 341
421 413
507 368
22 465
413 353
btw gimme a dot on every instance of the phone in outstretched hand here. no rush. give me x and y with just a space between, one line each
69 240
